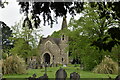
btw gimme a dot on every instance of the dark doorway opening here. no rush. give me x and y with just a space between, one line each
47 58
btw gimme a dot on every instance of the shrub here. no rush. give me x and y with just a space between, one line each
14 65
107 66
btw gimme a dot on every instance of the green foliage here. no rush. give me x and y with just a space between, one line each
83 32
4 55
30 35
56 34
90 58
35 52
22 48
25 44
115 53
14 65
107 66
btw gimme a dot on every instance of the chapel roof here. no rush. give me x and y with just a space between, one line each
54 40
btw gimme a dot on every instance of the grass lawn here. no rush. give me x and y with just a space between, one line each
52 70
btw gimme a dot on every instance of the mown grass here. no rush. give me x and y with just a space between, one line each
52 70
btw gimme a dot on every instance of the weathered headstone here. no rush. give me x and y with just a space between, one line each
118 77
74 76
61 74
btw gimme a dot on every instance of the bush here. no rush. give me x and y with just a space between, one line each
14 65
107 66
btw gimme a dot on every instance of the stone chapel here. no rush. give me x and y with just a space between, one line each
53 50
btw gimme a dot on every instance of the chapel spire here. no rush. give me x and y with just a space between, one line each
64 23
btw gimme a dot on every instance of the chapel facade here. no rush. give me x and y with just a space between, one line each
53 50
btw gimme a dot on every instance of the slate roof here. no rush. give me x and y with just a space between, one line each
54 40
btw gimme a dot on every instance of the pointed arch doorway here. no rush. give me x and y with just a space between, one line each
46 58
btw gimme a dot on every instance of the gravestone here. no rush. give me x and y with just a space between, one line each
118 77
74 76
61 74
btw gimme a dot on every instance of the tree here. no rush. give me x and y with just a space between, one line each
21 48
25 44
82 34
32 36
109 10
6 43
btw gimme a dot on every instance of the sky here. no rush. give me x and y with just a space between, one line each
11 15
